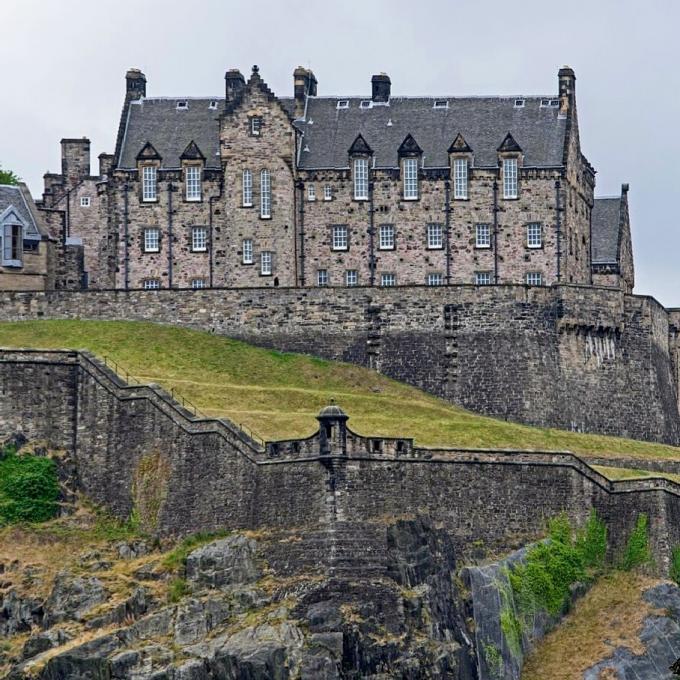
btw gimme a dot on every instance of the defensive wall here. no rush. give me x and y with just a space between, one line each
332 485
573 357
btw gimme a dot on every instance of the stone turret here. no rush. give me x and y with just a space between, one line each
332 430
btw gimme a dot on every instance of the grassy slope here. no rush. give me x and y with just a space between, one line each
277 395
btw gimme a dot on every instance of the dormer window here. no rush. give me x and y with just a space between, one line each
12 245
149 183
460 178
192 181
365 104
441 104
255 126
510 184
519 103
212 105
343 104
360 179
410 173
182 105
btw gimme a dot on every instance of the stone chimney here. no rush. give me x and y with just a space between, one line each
567 89
381 86
135 84
234 82
304 84
105 164
75 160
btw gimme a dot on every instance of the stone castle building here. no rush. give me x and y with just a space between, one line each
251 189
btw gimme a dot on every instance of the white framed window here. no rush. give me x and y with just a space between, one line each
386 237
435 279
311 192
360 179
149 183
152 240
266 263
247 188
343 104
247 251
199 239
213 104
460 178
255 126
534 235
441 104
534 279
85 202
198 283
265 194
151 284
193 182
340 237
388 280
482 236
482 278
509 178
12 245
435 236
328 193
322 277
351 277
519 103
410 170
182 105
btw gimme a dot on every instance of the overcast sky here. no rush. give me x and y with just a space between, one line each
64 61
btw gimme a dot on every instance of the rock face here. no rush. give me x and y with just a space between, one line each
226 562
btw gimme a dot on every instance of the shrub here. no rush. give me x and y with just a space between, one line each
591 542
29 487
637 552
675 564
177 589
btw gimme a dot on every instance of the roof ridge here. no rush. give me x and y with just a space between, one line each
366 97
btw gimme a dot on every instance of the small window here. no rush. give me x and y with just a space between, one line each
151 284
213 104
247 188
340 237
198 283
265 263
388 280
351 277
435 279
435 236
255 126
328 193
460 178
386 240
554 102
149 183
265 195
519 103
152 239
311 192
322 277
12 245
182 105
410 170
510 178
84 201
365 104
199 239
247 251
482 236
534 235
343 104
545 103
482 278
193 182
534 279
360 179
441 104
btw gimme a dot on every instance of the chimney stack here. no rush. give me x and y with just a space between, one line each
381 86
304 83
75 160
105 164
567 88
135 84
234 82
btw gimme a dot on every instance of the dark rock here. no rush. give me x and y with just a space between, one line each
324 616
129 610
196 618
18 614
132 550
71 598
229 561
41 642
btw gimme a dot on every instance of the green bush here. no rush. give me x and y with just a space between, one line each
29 487
177 589
675 564
637 552
591 542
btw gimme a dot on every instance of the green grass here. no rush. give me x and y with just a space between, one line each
617 473
278 395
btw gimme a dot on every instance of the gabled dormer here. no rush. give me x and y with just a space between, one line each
410 155
510 158
193 163
359 157
460 162
148 163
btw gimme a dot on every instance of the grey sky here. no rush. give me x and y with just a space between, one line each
64 63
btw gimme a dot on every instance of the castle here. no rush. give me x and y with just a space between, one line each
252 189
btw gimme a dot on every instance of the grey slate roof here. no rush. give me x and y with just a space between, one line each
170 130
18 199
483 121
606 225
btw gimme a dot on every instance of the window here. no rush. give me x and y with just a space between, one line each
149 183
340 237
482 278
388 280
410 170
213 104
460 178
255 126
534 279
193 183
311 192
199 239
265 194
198 283
247 257
182 105
435 236
509 178
351 277
84 201
386 241
519 103
534 235
247 188
152 238
365 104
12 245
265 263
322 277
151 284
482 236
343 104
435 279
361 179
441 104
328 193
